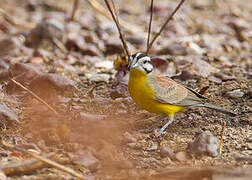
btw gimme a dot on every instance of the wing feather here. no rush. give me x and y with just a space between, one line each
170 92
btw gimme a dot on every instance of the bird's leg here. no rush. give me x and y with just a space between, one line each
166 125
162 118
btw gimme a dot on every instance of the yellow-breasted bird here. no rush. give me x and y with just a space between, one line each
160 94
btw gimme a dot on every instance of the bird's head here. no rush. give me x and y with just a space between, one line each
141 61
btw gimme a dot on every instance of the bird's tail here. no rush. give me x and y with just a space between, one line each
217 108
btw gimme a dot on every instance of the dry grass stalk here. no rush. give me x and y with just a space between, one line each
35 96
129 27
149 28
223 124
43 159
118 28
164 25
74 10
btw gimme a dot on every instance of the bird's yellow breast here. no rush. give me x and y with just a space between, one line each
143 94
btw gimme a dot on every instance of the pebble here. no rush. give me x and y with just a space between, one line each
215 80
104 64
235 93
99 77
129 138
225 77
153 147
86 159
250 146
166 151
204 144
7 113
181 156
56 80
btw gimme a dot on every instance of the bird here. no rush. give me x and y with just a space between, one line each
160 94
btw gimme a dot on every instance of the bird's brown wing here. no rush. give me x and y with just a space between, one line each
170 92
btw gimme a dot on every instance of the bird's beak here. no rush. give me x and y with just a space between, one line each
130 63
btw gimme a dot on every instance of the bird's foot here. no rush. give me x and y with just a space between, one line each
159 132
151 128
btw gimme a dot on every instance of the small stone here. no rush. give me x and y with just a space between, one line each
73 27
166 151
250 146
86 159
6 112
48 29
215 80
224 77
91 117
129 138
58 81
90 50
133 145
225 61
100 77
6 46
121 90
193 48
153 147
113 46
104 64
36 60
235 93
86 20
172 49
181 156
204 144
136 40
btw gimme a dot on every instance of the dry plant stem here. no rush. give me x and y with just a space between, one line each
163 27
56 165
59 44
99 8
35 96
223 124
119 29
117 18
44 160
74 10
149 28
25 167
16 22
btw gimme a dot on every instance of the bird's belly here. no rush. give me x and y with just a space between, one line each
143 95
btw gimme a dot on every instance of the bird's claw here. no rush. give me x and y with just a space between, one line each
159 132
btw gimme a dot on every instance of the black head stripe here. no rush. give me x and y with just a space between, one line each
140 55
133 56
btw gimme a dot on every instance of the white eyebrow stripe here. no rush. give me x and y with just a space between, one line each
138 54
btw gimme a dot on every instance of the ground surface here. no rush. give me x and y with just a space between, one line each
99 131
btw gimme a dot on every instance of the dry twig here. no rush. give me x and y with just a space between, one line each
59 44
74 10
24 167
149 28
119 29
223 124
129 27
35 96
16 22
163 27
56 165
44 160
